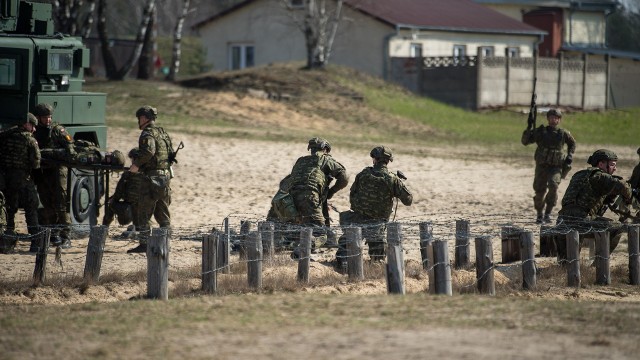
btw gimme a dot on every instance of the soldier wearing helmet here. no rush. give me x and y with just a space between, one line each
51 180
123 204
310 185
19 156
372 196
152 160
587 196
552 162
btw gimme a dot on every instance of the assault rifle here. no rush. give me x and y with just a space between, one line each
173 155
403 177
533 110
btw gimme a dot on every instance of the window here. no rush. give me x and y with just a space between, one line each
416 50
7 72
241 56
296 3
459 50
486 50
513 52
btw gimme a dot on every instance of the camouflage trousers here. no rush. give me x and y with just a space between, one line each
20 192
309 208
373 232
148 206
545 184
52 189
586 226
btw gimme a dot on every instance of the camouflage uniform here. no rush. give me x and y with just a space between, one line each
153 161
51 180
549 158
371 199
127 193
582 205
19 155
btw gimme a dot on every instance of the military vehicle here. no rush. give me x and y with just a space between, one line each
40 66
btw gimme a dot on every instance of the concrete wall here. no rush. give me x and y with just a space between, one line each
625 83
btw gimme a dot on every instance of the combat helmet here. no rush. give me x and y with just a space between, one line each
133 153
638 151
117 158
602 155
318 144
382 152
31 119
43 109
148 111
555 112
123 212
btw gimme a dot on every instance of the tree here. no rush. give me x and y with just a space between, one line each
112 72
74 17
623 31
177 42
319 24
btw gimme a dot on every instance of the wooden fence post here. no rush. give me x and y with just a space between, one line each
547 241
355 266
441 268
158 265
209 262
484 265
395 259
462 244
224 249
528 258
634 255
254 257
603 272
510 248
95 251
426 252
245 228
40 270
267 229
305 254
573 259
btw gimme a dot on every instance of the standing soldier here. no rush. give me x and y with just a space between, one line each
154 159
309 185
550 159
588 193
19 156
371 197
51 180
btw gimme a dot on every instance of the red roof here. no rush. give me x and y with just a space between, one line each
455 15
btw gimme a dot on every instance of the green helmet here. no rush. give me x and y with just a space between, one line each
133 153
382 152
638 151
116 158
555 112
31 119
148 111
318 144
602 155
43 109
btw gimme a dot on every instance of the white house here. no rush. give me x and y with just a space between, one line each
259 32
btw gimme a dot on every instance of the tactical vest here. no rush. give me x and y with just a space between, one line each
550 148
374 195
306 173
14 148
160 160
44 135
580 193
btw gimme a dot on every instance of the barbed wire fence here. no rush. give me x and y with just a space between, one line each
234 243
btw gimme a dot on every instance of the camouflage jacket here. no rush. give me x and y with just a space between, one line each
373 191
587 191
551 142
19 150
154 149
314 172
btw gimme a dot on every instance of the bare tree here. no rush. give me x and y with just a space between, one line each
177 42
319 24
146 63
112 72
74 17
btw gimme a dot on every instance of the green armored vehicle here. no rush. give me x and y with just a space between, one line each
38 66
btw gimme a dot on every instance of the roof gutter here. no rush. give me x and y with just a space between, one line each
472 30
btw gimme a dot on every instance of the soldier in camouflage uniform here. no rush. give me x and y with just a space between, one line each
550 158
371 197
587 195
123 203
153 161
19 156
310 185
51 180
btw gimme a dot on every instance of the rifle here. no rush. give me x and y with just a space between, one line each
533 110
403 177
173 155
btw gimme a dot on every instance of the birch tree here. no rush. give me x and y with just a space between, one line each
74 17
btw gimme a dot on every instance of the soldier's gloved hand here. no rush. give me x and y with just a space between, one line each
569 159
330 193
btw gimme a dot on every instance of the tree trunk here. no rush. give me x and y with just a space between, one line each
107 56
149 47
177 43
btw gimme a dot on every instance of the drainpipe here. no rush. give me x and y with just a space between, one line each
386 56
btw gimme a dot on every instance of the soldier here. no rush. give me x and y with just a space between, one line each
587 196
371 197
154 161
550 159
123 202
50 179
19 156
310 186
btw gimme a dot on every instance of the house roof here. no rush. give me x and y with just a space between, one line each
623 54
450 15
600 5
